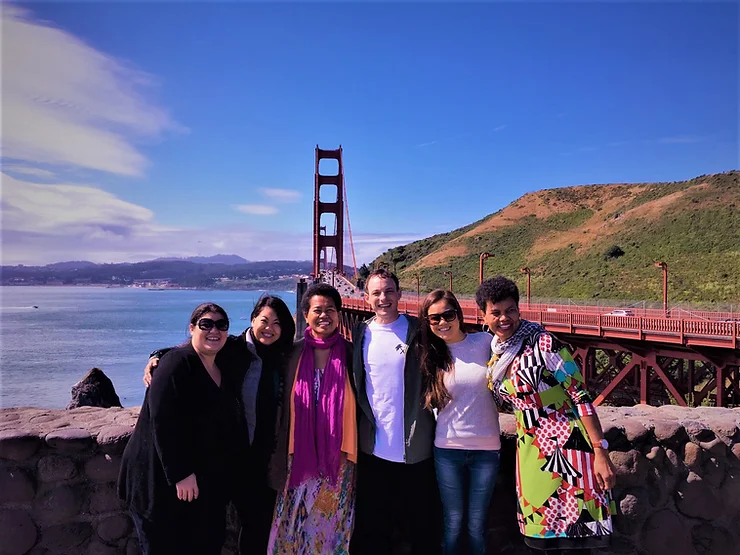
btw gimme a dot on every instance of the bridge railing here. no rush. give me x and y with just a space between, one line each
684 331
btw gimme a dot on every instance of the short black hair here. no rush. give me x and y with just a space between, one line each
496 289
382 273
321 290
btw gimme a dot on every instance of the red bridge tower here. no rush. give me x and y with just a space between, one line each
332 205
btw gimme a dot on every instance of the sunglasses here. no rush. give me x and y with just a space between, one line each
447 316
206 324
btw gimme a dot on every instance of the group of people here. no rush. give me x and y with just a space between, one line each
330 446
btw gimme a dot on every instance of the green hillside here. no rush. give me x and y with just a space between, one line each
568 237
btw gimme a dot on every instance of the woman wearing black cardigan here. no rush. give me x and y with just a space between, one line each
176 469
259 356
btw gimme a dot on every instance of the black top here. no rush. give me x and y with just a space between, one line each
187 425
237 356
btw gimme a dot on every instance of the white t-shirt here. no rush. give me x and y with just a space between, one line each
470 419
384 352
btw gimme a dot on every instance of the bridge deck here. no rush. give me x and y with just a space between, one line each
689 332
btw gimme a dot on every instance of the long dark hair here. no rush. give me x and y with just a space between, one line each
287 324
434 355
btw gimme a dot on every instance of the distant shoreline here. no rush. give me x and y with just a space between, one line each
278 287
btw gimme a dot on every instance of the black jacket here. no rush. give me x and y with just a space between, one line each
187 425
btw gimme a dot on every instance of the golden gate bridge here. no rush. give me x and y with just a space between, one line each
627 356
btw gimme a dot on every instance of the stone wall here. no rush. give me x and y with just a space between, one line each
678 488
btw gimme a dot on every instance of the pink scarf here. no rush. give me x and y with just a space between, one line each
317 434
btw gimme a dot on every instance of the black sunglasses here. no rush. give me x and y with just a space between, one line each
447 316
206 324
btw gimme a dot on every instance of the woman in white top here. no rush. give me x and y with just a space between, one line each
468 438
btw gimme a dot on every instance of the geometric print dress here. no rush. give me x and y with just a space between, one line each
560 504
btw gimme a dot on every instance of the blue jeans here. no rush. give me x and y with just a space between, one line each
465 477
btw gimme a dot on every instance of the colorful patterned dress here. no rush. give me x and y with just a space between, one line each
560 503
316 517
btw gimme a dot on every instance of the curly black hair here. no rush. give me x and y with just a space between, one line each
496 289
322 290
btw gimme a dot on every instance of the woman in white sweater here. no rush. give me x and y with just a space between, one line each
468 438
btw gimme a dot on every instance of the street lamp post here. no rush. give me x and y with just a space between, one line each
527 271
418 291
483 256
664 267
448 273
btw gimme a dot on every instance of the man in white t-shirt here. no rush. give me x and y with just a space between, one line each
395 476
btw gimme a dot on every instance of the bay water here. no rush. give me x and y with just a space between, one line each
44 351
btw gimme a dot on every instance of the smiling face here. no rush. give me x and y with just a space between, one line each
502 317
444 322
382 295
208 342
322 316
266 326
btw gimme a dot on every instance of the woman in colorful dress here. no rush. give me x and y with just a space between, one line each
314 514
467 438
563 471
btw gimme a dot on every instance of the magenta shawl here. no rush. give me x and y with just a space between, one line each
317 435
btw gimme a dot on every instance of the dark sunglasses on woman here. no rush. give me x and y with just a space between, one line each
206 324
447 316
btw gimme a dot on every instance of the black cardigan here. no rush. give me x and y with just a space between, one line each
187 425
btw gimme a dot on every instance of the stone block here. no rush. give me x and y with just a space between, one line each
730 489
132 547
655 539
97 548
696 499
103 468
113 439
114 528
18 532
659 486
713 470
57 505
636 432
66 538
656 455
716 447
631 468
712 540
692 456
633 509
56 468
16 486
104 499
668 431
69 440
18 445
698 431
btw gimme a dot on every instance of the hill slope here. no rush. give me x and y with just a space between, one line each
564 234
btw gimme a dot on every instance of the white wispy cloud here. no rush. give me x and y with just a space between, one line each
429 143
284 195
65 103
499 128
257 209
44 223
35 172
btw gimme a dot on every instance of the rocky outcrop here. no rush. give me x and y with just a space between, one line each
678 484
94 390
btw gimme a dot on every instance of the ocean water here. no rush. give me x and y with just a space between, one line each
44 351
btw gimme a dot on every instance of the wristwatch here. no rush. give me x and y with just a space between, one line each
603 444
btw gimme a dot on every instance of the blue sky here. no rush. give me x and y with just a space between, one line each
136 130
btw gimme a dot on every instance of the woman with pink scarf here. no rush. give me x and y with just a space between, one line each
318 430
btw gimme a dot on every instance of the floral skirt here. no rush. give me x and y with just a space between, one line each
315 517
